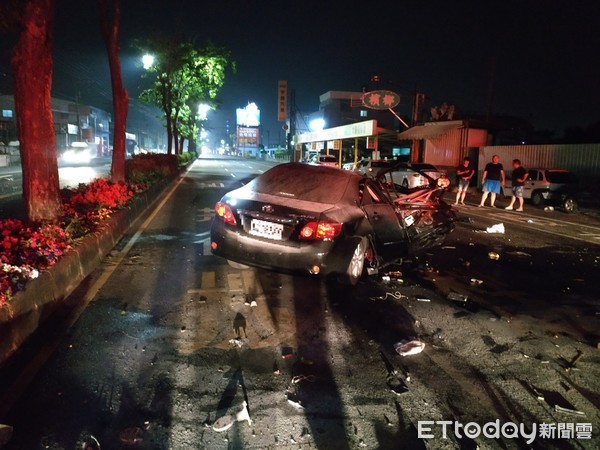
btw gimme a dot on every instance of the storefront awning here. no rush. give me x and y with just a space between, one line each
429 130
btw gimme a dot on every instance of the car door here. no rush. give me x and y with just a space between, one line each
530 183
390 236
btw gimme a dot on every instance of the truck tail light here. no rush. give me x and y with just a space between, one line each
224 211
320 231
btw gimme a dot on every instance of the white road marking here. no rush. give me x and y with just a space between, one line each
205 215
232 174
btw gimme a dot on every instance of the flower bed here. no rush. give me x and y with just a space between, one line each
28 249
25 250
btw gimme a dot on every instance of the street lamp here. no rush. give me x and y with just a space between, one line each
317 124
203 110
147 61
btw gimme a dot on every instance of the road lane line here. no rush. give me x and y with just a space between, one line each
208 280
234 281
541 230
233 175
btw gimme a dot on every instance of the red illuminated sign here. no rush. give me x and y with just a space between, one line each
380 99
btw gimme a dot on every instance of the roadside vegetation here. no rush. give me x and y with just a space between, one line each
26 249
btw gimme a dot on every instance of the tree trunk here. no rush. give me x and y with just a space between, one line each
110 24
32 67
169 135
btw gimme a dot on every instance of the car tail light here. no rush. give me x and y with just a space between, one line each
224 212
320 230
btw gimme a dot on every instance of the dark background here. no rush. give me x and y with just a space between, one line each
545 52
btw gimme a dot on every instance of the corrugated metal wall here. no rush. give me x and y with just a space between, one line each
445 150
581 159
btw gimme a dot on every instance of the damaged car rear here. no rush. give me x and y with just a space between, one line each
298 218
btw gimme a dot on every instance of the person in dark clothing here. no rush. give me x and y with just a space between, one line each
519 176
464 172
492 180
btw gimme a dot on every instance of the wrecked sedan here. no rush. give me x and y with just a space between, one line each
298 218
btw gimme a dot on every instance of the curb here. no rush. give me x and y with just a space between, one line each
31 307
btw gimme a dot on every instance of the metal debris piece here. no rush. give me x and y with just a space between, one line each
568 411
423 299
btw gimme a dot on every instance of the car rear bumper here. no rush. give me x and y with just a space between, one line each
282 256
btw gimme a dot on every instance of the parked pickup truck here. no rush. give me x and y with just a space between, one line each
554 187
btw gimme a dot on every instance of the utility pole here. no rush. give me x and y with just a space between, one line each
417 107
490 99
292 130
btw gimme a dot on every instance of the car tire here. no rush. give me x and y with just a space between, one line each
356 265
537 199
570 205
237 265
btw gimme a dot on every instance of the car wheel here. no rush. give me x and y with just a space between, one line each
537 198
237 265
570 205
405 183
356 266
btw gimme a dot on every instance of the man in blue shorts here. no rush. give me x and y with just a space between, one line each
519 176
492 180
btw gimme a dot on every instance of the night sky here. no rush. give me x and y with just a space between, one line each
546 53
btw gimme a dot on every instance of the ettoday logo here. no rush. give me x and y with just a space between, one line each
509 430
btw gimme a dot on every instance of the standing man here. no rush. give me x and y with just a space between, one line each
519 175
464 172
492 180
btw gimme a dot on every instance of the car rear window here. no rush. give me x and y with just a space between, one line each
303 182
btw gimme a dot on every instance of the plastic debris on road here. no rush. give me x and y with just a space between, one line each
236 343
226 422
454 296
407 348
497 228
493 255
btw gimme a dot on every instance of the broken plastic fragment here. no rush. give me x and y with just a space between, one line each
226 422
497 228
493 255
406 348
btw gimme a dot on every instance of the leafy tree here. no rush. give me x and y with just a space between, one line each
184 76
110 19
32 70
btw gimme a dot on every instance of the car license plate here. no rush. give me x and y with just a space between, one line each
266 229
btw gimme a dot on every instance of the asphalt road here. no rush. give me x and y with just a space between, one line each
170 344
